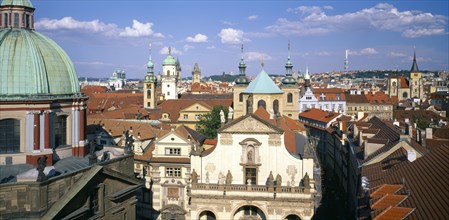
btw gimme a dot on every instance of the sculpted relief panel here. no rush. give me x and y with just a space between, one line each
249 125
274 140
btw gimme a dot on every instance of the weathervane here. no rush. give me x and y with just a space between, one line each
169 50
242 51
261 60
150 48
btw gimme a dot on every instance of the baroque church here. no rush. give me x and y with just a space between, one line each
262 91
411 87
169 81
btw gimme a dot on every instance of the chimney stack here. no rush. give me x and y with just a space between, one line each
429 133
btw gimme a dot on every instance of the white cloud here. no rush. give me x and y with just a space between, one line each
198 38
305 10
328 7
232 36
323 53
229 23
72 24
210 47
382 17
174 51
138 29
257 56
364 51
188 47
409 59
396 54
252 17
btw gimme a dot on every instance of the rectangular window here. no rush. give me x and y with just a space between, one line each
148 104
60 130
27 21
16 20
251 174
6 20
172 151
173 172
186 116
9 136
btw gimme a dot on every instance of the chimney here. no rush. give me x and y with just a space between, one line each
429 133
410 131
411 155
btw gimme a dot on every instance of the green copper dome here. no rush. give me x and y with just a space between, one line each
26 3
34 65
169 60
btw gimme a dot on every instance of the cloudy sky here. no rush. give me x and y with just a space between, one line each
102 35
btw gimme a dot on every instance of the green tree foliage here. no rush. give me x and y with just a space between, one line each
209 123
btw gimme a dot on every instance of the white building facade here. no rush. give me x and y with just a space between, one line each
251 175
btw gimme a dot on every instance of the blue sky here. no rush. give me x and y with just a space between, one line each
100 36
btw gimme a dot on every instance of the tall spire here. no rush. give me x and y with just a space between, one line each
414 65
150 68
242 67
288 79
307 78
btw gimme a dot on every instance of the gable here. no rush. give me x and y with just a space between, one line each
403 144
196 107
171 138
251 124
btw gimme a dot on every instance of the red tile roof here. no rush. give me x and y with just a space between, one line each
319 115
394 213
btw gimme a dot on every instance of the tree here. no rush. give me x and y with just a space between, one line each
209 123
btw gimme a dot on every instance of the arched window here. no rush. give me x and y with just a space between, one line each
289 97
6 19
9 136
16 20
148 94
27 21
60 126
404 95
207 215
276 106
241 97
168 72
262 103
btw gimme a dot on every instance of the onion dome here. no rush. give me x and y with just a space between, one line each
169 60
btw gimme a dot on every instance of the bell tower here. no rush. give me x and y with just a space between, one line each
290 89
416 88
149 97
196 74
240 85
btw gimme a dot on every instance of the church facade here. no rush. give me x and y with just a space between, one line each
407 88
251 175
262 91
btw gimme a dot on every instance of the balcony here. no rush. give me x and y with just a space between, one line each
260 191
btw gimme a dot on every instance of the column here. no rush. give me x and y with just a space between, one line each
36 131
82 123
47 129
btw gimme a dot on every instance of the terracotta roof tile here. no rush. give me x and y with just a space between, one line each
388 200
394 213
319 115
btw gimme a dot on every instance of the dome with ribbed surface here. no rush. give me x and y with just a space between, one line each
26 3
31 64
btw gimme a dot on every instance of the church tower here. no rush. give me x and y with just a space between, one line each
290 89
416 87
149 97
240 85
196 74
170 77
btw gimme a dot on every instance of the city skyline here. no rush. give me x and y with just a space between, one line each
104 35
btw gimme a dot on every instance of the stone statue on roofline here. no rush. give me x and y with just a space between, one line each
41 164
194 177
271 180
92 155
129 143
228 178
222 117
278 180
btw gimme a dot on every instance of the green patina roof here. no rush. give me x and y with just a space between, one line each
169 60
26 3
31 64
263 84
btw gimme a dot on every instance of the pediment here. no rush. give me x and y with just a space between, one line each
251 124
196 107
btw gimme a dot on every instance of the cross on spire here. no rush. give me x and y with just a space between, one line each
169 50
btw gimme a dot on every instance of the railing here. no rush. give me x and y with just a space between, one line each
249 188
